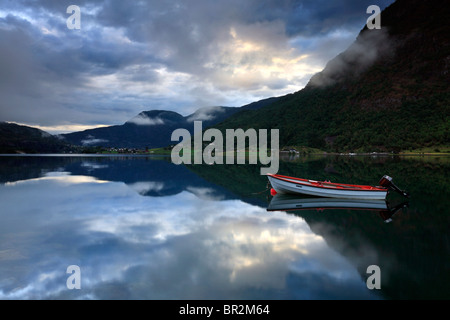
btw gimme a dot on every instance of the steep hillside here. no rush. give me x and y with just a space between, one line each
389 91
15 138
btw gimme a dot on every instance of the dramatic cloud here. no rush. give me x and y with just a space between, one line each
175 55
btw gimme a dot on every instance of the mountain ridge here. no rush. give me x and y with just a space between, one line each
387 92
153 129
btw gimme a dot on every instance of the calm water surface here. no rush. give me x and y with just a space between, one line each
143 228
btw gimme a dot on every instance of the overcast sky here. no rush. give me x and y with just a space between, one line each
131 56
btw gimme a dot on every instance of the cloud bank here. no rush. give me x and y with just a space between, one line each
143 120
368 47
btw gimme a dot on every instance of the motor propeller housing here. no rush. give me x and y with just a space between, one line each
386 182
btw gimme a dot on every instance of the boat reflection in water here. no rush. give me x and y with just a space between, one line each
288 202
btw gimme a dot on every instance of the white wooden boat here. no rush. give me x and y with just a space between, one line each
285 184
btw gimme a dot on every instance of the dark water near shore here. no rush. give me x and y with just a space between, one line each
143 228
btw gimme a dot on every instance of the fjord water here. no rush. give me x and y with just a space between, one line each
144 228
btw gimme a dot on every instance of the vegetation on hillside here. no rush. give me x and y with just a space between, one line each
15 138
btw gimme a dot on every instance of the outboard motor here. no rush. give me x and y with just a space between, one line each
386 182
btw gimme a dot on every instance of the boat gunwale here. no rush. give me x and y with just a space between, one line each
336 186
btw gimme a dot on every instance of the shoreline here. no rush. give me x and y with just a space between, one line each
284 153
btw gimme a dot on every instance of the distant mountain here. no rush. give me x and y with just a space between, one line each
389 91
153 129
16 138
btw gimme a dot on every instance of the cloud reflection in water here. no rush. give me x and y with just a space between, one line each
182 246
